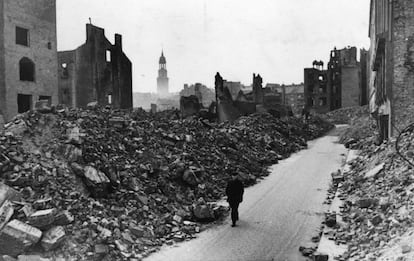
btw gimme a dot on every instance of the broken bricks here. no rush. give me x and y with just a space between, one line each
8 193
96 181
147 165
6 212
17 236
42 218
53 238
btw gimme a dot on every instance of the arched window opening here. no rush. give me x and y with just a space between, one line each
27 70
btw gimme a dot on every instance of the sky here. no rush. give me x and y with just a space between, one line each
275 38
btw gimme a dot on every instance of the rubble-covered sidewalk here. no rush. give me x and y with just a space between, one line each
110 185
378 196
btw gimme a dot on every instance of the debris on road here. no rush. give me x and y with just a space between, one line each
117 184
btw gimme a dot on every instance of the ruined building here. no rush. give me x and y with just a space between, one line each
344 76
391 63
96 71
204 94
28 55
316 91
342 84
294 97
162 80
259 99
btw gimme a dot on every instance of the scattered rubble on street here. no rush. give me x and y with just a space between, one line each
107 184
378 197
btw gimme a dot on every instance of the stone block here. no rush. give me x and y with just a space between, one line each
17 236
53 238
374 172
32 258
8 193
6 212
63 218
320 257
96 181
42 218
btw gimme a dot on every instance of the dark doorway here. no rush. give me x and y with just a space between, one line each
24 103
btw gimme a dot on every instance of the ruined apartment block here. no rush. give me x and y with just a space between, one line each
343 84
28 55
391 63
96 71
316 91
344 77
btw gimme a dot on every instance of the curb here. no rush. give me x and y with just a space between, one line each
327 244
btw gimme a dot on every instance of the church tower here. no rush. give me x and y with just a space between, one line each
162 80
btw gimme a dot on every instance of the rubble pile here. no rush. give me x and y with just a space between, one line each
361 125
108 185
378 194
346 115
360 129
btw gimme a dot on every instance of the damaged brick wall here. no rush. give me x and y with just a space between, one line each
189 105
37 20
402 105
226 110
96 71
363 94
2 64
350 77
350 86
258 89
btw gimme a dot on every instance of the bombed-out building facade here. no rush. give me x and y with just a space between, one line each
342 84
391 65
28 55
258 99
97 71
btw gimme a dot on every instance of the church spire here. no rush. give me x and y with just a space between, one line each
162 80
162 58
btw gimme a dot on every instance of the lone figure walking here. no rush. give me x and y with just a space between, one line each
234 192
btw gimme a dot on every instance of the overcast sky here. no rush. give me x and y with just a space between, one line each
276 38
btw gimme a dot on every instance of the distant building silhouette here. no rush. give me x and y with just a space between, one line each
162 80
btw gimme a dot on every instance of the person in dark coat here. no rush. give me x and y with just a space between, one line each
234 192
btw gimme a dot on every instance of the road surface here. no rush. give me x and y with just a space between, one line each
277 215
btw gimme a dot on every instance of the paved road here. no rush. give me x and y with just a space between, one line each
277 215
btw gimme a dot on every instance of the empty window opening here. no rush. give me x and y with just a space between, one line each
49 45
22 36
109 99
27 70
46 98
108 55
65 73
310 89
321 78
323 101
24 103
